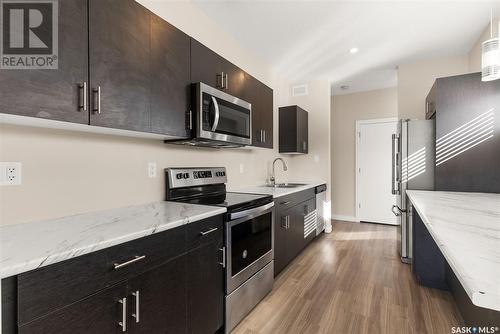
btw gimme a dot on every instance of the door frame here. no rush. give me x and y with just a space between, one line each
356 136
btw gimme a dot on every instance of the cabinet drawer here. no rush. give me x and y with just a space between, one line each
49 288
295 198
204 231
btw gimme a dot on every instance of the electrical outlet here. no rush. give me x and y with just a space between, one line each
152 169
10 173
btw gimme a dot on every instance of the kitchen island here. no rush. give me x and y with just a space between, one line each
465 229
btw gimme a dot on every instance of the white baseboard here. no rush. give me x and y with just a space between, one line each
345 218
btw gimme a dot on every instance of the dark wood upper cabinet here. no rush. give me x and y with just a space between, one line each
467 134
293 130
119 49
53 94
264 124
170 79
206 65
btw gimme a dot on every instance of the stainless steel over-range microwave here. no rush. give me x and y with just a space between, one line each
219 119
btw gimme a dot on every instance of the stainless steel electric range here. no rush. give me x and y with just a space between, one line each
248 235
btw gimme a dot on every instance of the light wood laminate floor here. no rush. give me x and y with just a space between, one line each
351 281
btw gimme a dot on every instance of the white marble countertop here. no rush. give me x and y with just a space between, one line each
279 192
24 247
466 228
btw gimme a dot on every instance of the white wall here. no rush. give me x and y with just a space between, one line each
67 173
316 164
416 79
346 110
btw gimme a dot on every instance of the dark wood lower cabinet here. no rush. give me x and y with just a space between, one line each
98 313
205 292
176 287
158 298
289 238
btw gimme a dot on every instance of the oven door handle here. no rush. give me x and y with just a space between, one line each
251 212
217 114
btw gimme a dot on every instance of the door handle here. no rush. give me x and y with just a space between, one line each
217 114
123 323
83 96
137 306
97 100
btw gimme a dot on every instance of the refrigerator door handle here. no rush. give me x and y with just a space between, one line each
393 181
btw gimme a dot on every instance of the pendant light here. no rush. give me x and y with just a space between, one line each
491 56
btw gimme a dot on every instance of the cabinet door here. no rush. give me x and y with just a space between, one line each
206 65
205 292
302 131
266 114
170 79
235 80
53 94
119 63
295 234
99 313
280 241
158 297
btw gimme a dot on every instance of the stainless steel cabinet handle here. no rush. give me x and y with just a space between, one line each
137 305
123 323
209 231
129 262
264 131
285 203
227 82
190 120
83 96
287 222
222 79
261 136
97 100
223 263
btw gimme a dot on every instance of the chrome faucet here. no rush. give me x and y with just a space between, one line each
272 179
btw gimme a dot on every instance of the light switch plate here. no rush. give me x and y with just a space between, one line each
10 173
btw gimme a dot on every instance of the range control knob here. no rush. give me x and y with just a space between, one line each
186 175
178 176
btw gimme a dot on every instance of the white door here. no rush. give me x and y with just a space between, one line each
374 171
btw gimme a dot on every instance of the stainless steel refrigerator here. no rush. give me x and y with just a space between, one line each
413 165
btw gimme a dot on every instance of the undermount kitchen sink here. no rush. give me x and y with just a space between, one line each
285 185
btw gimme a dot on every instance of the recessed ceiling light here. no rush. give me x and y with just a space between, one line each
354 50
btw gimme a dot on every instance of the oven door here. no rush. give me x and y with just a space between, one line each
249 243
222 117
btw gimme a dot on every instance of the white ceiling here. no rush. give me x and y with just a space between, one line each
307 40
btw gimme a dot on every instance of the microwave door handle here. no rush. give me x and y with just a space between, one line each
217 114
